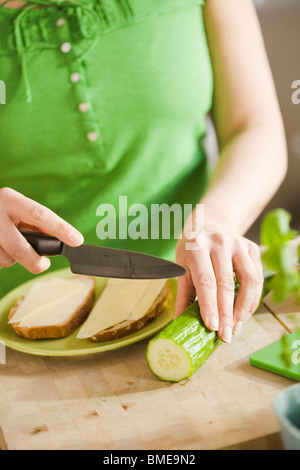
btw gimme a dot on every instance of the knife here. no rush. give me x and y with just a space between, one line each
104 262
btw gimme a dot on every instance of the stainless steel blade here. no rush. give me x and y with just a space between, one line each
114 263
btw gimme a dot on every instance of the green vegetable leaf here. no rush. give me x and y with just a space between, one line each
275 228
278 257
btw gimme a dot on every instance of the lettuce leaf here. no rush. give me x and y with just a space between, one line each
275 233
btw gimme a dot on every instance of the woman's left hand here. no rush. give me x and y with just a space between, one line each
216 256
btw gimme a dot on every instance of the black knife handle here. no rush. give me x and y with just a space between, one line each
43 244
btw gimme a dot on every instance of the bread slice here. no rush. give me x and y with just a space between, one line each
126 327
54 308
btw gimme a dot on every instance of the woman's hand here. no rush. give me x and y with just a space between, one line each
210 266
251 166
18 211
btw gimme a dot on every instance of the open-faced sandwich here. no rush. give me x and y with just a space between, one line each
124 307
55 308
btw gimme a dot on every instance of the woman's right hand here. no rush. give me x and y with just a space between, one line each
18 211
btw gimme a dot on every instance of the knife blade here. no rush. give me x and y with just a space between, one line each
100 261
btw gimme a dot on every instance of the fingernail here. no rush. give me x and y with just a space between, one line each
237 327
76 238
213 324
226 334
45 263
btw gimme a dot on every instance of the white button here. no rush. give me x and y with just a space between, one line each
65 47
92 136
83 107
60 22
75 77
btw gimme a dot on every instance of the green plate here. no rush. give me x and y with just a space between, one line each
281 357
72 346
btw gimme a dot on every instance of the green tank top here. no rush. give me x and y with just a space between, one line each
104 98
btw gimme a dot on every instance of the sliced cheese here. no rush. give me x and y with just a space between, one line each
52 302
42 293
146 301
114 305
121 300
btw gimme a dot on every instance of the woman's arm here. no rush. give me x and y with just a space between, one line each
246 116
252 165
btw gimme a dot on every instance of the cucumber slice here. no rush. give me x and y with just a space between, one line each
183 346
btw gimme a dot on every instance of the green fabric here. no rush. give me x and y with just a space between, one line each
145 73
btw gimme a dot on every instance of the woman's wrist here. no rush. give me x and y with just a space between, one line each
210 219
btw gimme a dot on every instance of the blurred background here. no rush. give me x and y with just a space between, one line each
280 23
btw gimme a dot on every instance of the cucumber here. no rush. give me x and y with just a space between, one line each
183 346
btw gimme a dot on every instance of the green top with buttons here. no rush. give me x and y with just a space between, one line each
104 98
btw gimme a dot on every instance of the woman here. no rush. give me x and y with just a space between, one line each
108 98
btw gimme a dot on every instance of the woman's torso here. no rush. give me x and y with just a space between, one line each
103 99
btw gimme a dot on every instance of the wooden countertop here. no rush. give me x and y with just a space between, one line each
111 400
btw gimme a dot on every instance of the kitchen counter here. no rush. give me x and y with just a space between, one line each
111 400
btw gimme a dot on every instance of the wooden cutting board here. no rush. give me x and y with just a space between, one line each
112 401
287 312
